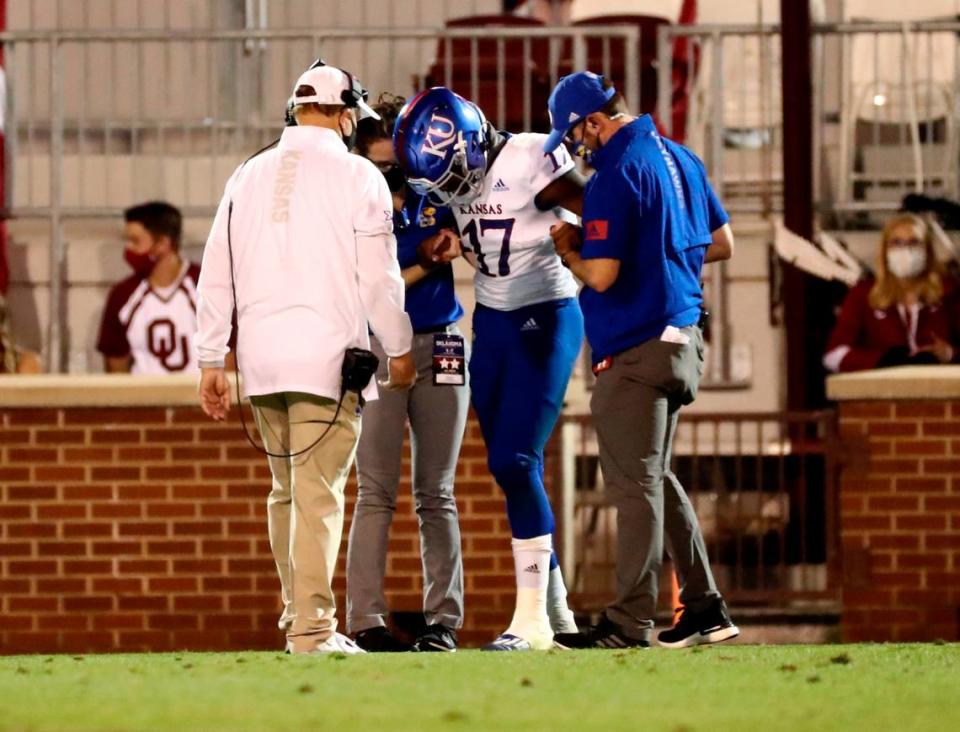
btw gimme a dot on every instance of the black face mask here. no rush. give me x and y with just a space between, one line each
350 139
396 180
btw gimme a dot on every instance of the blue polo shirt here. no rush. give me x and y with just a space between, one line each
431 303
649 205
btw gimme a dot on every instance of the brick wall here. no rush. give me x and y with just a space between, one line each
900 520
145 529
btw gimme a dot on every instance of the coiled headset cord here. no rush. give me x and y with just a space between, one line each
236 361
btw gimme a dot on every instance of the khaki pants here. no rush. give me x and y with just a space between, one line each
305 506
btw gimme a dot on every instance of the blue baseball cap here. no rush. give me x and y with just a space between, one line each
573 98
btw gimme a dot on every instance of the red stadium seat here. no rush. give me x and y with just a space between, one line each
520 60
488 95
461 48
503 20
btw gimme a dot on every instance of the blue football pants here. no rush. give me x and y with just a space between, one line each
521 363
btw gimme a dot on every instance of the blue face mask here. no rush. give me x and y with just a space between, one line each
581 150
579 147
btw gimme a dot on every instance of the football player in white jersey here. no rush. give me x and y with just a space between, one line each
505 194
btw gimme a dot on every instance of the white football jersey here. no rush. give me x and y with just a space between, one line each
508 235
153 326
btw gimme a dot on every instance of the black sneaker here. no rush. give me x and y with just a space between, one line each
379 639
605 634
437 638
711 625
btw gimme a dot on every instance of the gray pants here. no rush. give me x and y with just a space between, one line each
437 416
635 406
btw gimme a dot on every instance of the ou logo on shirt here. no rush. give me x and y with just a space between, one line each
164 343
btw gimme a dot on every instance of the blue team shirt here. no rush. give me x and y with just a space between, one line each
650 206
431 302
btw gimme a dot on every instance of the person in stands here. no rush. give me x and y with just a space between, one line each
909 313
151 316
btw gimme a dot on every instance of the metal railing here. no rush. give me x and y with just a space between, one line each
729 77
885 107
764 489
235 14
719 92
897 113
97 121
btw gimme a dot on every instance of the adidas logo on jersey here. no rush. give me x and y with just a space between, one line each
532 569
531 324
500 186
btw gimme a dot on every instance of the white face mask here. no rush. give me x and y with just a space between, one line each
906 262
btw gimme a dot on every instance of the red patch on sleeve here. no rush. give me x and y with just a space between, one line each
597 230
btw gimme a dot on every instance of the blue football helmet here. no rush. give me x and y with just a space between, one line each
440 140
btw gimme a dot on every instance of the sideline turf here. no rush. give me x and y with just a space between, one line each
857 687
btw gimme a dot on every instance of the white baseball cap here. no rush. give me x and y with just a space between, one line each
333 86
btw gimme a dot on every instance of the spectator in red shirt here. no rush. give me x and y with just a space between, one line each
150 317
908 314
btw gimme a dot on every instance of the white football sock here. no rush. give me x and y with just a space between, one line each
531 559
561 617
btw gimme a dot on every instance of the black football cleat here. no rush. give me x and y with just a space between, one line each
436 639
605 634
379 639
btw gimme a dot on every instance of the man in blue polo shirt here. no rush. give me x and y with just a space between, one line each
650 222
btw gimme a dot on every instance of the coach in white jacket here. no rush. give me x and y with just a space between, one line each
314 261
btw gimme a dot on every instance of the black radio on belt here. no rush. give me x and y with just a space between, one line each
359 366
704 322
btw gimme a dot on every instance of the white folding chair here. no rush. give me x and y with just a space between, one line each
897 87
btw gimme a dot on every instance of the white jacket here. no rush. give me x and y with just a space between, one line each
315 261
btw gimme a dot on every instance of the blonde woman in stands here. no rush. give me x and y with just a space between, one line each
907 314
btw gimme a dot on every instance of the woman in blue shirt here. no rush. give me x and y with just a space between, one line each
436 409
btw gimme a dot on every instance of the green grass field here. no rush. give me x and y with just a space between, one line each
857 687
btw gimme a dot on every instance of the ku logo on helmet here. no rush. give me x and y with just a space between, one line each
441 134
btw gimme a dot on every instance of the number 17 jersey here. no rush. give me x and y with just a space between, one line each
509 236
